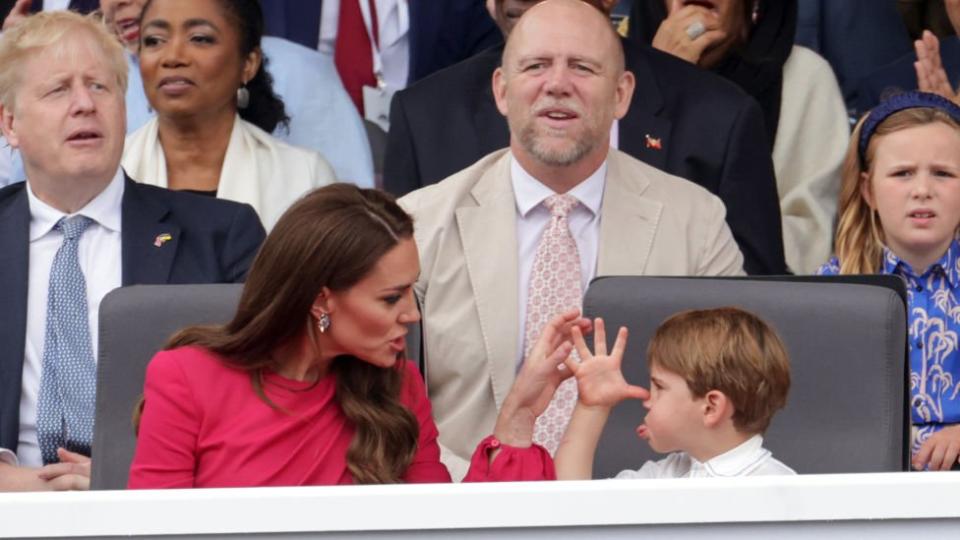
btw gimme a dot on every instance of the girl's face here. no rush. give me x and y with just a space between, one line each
914 185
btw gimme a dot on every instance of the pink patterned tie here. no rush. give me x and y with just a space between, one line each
554 288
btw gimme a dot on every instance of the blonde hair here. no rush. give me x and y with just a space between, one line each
860 239
49 29
730 350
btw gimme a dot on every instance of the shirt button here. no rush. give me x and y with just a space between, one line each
494 443
919 288
919 343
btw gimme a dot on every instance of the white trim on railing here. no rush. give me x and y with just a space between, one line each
813 498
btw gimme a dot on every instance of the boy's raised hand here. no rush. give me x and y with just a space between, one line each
600 381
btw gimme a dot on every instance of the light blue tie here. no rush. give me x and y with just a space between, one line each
65 406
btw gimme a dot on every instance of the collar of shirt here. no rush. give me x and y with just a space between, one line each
892 264
733 462
393 21
104 209
530 192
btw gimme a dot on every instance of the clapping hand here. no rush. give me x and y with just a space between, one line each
600 381
688 31
931 77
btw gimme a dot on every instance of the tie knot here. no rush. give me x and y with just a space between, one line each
72 227
560 205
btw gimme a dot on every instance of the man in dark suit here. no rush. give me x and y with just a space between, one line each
442 32
682 120
77 228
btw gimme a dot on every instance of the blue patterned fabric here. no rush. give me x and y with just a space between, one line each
934 319
65 406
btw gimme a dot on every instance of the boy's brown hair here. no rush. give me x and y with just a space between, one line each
730 350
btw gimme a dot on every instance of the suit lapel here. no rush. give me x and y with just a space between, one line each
489 238
149 242
629 222
643 133
14 281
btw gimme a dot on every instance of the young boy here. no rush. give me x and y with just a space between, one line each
717 377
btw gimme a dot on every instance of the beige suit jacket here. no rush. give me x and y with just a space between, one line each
651 223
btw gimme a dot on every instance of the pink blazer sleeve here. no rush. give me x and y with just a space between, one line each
166 444
511 464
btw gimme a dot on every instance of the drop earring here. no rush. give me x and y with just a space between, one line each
243 97
323 322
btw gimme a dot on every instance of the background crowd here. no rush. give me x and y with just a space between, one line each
531 149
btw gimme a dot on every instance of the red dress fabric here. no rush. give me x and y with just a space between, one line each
204 426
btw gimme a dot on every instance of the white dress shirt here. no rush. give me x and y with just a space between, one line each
51 5
533 218
6 163
99 254
393 28
748 459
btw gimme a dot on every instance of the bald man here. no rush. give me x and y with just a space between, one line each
683 120
484 233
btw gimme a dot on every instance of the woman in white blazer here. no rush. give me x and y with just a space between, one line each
203 73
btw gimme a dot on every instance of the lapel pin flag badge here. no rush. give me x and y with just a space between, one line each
162 239
653 142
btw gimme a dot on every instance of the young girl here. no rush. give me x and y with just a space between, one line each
899 214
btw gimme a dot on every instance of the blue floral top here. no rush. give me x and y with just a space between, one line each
934 319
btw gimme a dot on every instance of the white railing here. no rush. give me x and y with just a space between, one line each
851 506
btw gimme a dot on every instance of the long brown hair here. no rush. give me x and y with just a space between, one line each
860 238
332 238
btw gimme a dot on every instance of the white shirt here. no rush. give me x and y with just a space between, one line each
6 163
51 5
748 459
533 218
99 254
393 28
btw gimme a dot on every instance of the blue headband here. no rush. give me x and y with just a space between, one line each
901 102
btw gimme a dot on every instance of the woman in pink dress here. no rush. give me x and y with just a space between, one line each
308 384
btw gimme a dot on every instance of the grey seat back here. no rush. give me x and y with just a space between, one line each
847 408
135 322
